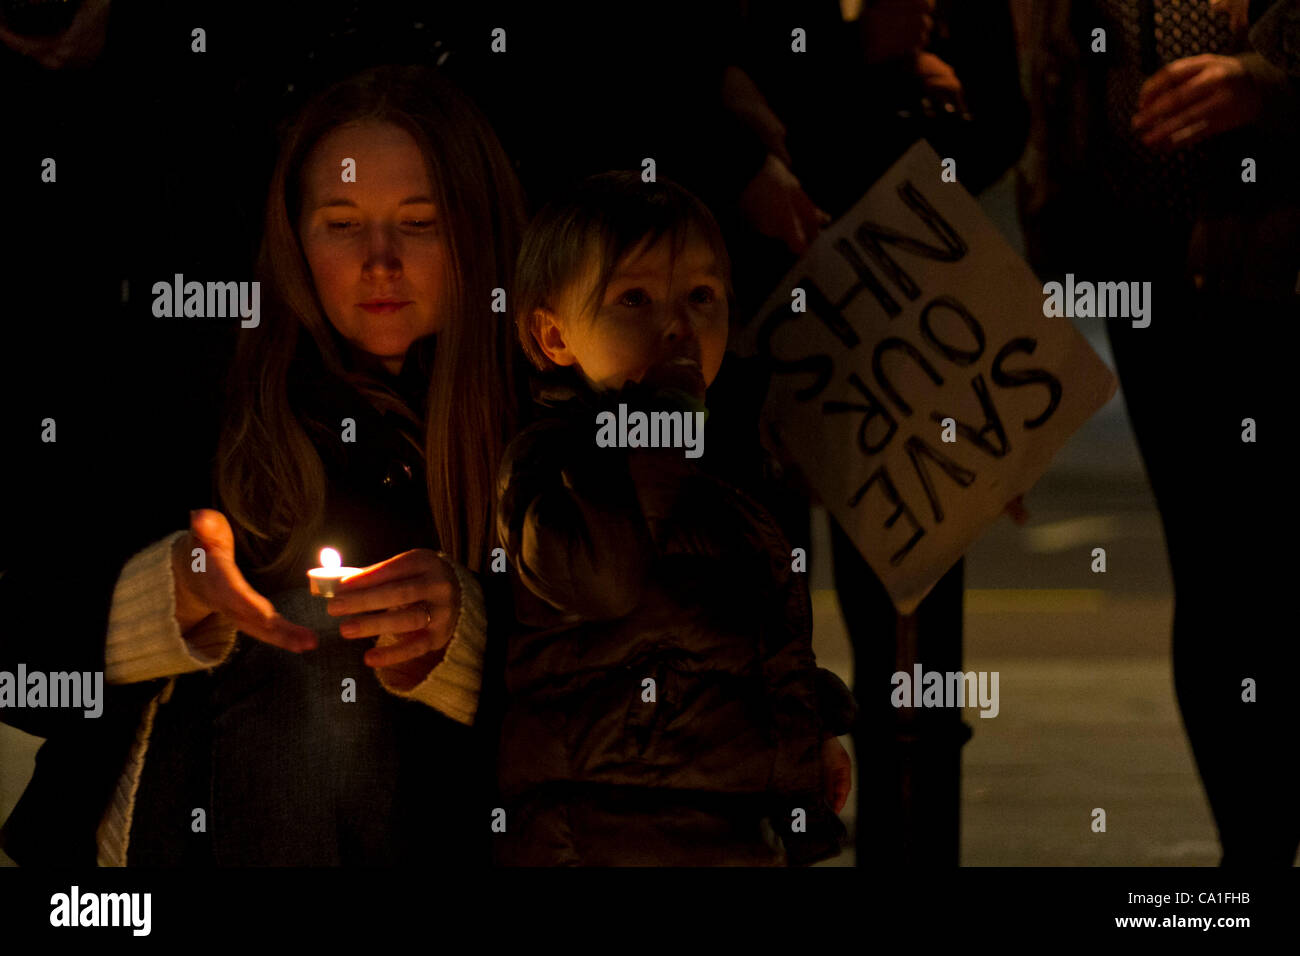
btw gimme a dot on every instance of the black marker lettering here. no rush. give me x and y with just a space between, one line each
1032 376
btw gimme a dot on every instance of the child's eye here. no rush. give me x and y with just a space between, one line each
418 223
703 295
341 224
634 298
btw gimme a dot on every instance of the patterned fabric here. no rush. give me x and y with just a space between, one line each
1141 37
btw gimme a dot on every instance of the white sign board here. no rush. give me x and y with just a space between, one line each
916 380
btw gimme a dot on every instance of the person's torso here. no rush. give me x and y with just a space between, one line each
672 694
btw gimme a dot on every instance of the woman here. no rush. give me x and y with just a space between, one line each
392 216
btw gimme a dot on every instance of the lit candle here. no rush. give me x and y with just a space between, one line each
324 578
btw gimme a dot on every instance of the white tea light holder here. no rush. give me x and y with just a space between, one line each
325 579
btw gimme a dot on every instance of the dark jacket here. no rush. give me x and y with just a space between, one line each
375 508
1092 197
639 564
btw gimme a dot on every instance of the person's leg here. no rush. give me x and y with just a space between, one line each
909 761
869 619
1239 675
1189 380
941 730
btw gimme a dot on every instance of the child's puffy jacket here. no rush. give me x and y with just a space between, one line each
638 565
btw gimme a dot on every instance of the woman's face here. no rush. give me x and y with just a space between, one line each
376 249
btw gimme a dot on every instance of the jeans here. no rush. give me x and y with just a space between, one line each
293 765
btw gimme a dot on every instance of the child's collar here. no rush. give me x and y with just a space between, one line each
565 388
559 386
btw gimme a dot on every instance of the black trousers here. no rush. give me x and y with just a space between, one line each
909 760
1206 363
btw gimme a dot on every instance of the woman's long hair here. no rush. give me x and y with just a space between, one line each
269 478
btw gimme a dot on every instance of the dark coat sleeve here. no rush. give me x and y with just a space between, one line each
571 523
54 607
810 702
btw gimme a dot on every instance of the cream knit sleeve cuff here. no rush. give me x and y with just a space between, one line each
452 686
144 639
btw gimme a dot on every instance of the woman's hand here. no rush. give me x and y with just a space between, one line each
1194 98
413 596
838 771
221 589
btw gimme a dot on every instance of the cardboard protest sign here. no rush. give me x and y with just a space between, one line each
916 380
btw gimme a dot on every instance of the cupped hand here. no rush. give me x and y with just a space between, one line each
413 596
1194 98
220 588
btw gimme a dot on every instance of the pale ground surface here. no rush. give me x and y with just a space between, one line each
1088 717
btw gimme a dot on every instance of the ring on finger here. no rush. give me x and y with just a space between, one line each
428 612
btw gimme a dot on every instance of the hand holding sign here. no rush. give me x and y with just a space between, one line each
916 380
1016 510
776 205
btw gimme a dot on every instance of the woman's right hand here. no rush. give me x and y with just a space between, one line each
221 588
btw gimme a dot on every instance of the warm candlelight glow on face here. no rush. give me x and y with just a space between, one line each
329 558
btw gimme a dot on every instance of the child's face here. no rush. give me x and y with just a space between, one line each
655 311
377 253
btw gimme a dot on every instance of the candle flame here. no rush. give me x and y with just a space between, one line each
329 558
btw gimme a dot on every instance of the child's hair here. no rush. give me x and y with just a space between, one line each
605 216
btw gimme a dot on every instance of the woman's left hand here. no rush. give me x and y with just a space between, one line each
413 596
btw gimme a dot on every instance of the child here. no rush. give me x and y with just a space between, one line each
665 706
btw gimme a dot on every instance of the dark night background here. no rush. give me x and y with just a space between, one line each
163 157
